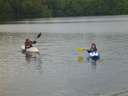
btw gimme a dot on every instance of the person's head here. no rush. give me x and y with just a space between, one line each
27 39
93 45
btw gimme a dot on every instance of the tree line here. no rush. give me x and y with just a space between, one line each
19 9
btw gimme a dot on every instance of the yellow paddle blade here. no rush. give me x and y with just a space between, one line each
80 49
80 59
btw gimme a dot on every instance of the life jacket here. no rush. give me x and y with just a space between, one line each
94 53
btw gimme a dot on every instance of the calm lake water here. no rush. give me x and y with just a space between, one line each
56 71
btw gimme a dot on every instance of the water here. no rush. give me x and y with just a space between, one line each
69 25
56 71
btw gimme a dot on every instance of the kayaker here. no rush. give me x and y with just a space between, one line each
93 53
28 43
93 48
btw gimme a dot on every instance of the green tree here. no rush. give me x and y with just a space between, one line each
18 9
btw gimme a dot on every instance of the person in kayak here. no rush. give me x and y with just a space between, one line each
93 52
28 43
93 48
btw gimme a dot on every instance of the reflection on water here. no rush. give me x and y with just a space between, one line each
93 66
82 60
35 60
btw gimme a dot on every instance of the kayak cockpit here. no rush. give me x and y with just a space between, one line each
32 49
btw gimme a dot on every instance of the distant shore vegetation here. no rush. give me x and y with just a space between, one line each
23 9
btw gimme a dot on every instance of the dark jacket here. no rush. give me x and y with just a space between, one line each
92 50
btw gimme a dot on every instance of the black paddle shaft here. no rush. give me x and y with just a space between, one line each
38 36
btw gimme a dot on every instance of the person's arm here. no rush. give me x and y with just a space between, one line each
25 44
88 50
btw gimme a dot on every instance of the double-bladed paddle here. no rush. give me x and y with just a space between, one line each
38 36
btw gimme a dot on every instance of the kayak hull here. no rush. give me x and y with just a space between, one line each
95 58
30 50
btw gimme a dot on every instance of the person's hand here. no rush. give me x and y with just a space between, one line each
34 42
